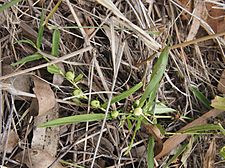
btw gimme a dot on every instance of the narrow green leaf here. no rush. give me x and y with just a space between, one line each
54 69
218 103
177 154
200 97
201 129
40 30
151 144
55 43
74 119
162 109
78 78
27 41
124 95
157 74
8 5
29 58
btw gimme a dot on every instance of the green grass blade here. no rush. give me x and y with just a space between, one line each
54 69
151 144
40 30
200 97
29 58
55 43
177 154
8 5
162 109
201 129
27 41
157 73
124 95
74 119
222 152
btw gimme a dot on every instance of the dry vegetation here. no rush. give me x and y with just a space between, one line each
114 46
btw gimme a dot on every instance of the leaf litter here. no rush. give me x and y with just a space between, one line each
124 34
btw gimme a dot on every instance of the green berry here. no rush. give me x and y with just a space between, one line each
78 93
95 104
138 111
70 75
114 114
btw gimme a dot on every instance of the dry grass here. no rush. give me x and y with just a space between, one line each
114 45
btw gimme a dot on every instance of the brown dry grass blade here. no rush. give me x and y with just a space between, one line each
175 140
210 156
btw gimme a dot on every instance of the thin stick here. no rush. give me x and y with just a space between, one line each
205 38
47 64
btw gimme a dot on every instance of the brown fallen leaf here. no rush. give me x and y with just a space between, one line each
35 158
175 140
20 82
153 130
45 96
221 85
8 142
210 156
46 138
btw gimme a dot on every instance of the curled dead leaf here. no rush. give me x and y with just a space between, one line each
210 155
45 96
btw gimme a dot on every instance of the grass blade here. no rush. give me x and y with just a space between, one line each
40 30
151 144
157 73
201 129
27 41
29 58
8 5
74 119
200 97
124 95
55 43
52 12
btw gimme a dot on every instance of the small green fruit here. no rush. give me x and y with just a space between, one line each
138 111
79 94
114 114
95 104
70 75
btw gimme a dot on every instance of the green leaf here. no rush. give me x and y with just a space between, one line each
222 152
201 129
8 5
200 97
29 58
40 30
161 109
218 103
55 43
74 119
124 95
151 144
157 74
54 69
27 41
78 78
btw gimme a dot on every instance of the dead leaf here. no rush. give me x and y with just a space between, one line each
175 140
46 138
221 85
45 96
20 82
8 142
35 158
210 156
154 131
